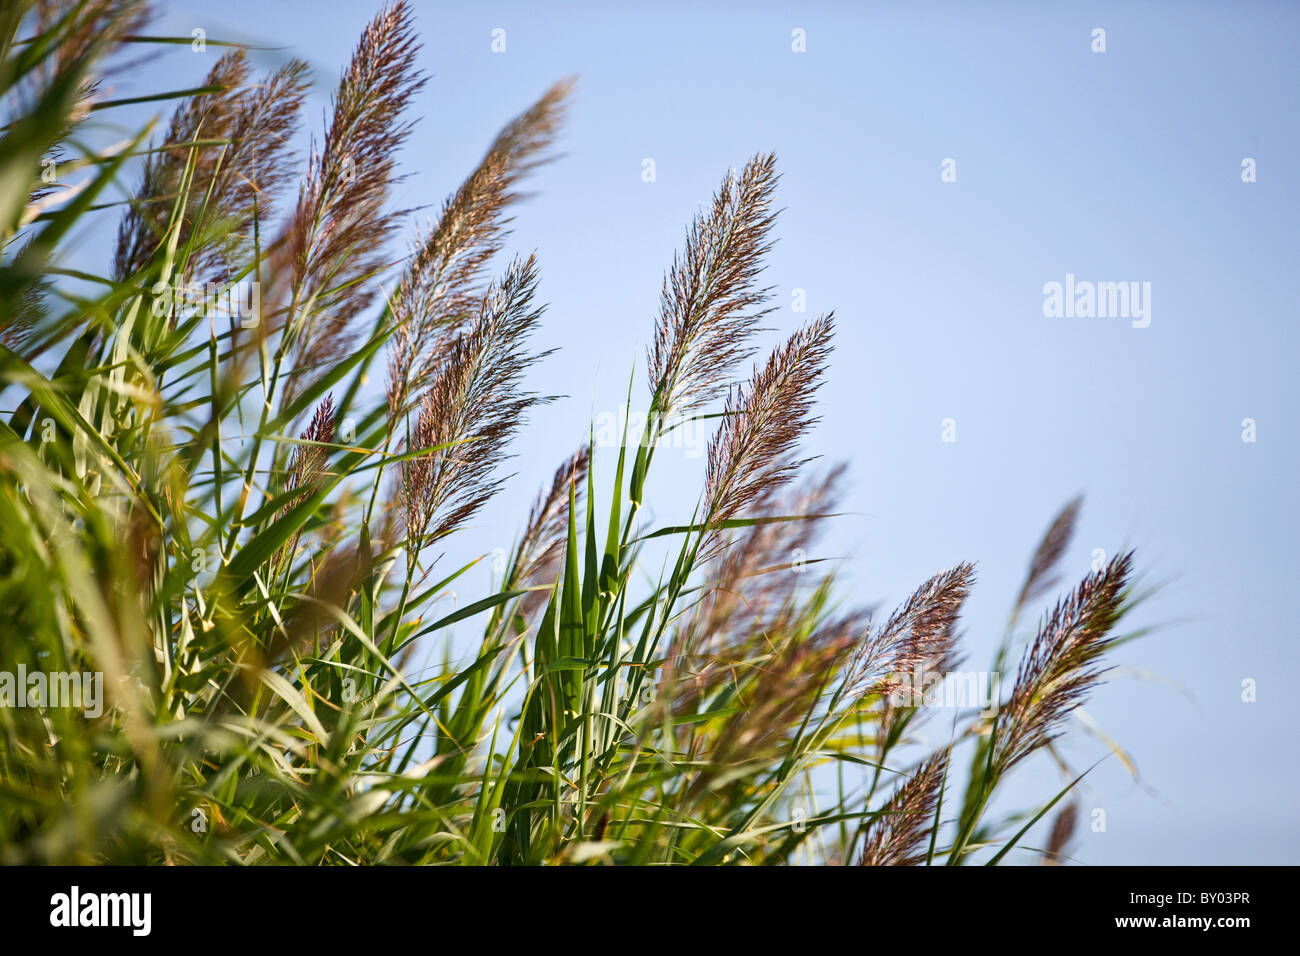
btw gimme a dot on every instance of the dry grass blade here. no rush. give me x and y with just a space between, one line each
900 835
711 301
750 456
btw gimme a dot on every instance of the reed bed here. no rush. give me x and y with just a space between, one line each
202 502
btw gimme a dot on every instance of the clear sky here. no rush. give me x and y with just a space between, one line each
1115 166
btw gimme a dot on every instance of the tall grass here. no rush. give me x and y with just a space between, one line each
207 505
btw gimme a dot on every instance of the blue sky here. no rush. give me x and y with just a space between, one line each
1118 166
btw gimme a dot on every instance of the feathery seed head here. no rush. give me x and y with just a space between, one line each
711 302
750 457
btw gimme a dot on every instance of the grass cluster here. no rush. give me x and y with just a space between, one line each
203 502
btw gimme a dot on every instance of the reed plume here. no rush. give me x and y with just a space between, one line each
30 313
243 162
1061 666
77 32
1041 577
1058 843
141 230
308 461
82 27
336 238
437 293
750 456
470 410
49 80
920 634
80 33
711 302
900 834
